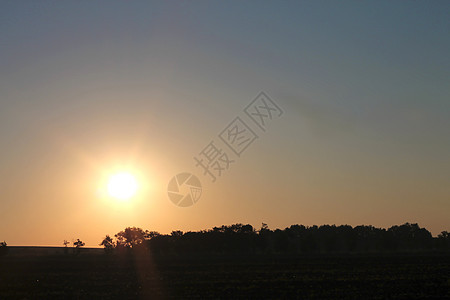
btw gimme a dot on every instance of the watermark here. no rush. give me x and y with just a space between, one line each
238 136
262 110
184 189
220 153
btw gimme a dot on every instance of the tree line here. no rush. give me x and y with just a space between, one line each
296 239
245 239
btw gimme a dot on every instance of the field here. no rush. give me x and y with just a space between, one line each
91 276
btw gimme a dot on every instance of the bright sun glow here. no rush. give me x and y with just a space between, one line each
122 186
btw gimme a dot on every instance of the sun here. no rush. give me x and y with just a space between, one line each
122 186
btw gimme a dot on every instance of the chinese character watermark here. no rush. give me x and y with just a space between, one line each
214 159
238 136
263 110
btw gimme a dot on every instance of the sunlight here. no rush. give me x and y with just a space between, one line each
122 186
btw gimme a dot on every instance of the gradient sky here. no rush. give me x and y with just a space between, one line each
88 88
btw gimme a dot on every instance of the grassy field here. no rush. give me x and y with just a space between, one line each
279 277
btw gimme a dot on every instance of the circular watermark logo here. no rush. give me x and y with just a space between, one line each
184 189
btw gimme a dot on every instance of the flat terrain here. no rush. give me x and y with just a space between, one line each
92 276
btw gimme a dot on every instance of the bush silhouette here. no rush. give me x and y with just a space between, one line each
3 248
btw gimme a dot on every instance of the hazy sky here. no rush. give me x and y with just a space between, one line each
88 88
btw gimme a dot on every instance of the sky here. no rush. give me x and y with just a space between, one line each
89 89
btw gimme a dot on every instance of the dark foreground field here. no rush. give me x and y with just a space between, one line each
279 277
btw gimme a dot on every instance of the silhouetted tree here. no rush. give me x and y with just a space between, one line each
264 243
443 241
151 234
65 243
108 244
78 244
410 237
444 235
264 227
3 248
176 233
131 237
